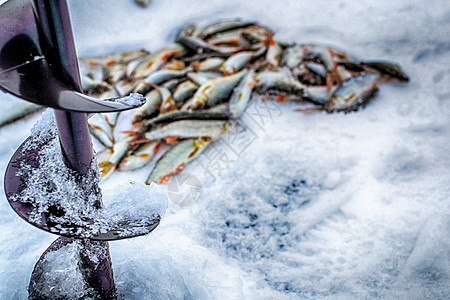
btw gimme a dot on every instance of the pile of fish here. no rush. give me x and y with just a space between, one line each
202 83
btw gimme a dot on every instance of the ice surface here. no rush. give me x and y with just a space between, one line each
167 282
426 272
366 211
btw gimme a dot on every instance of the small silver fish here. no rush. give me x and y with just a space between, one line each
255 34
293 56
162 76
111 118
218 112
188 129
115 73
353 93
316 68
150 107
101 136
198 44
176 158
158 78
101 130
93 72
93 87
209 64
167 103
154 99
387 70
241 95
175 65
155 61
329 59
140 157
323 52
273 53
278 80
125 87
345 74
131 67
118 151
184 91
214 90
114 58
233 37
200 78
111 93
99 121
222 108
317 94
222 26
236 62
189 38
103 155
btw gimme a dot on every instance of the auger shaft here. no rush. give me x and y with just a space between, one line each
59 49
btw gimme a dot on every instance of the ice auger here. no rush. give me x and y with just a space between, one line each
38 63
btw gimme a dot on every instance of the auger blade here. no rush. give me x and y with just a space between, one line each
87 264
81 225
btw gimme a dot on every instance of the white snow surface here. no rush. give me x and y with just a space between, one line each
317 206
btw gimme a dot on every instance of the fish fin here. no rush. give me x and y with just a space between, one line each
106 168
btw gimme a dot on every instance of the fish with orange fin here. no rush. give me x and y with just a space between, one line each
188 129
139 157
176 158
354 93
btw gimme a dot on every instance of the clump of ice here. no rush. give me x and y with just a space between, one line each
44 129
58 275
135 199
53 187
133 204
132 100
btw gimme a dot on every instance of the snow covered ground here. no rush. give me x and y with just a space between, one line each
318 206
